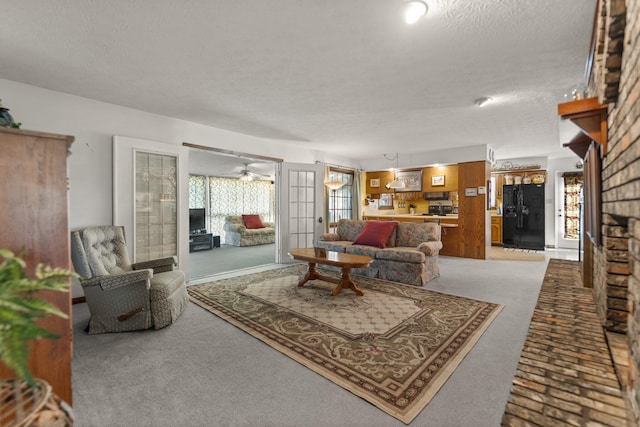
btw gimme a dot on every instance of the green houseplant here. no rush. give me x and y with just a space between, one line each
20 309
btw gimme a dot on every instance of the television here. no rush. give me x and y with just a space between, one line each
197 222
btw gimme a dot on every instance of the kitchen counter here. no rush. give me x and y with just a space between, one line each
407 215
450 220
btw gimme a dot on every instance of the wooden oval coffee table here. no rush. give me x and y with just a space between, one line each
338 259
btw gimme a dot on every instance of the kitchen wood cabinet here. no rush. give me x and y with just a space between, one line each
496 230
450 174
450 237
34 224
383 178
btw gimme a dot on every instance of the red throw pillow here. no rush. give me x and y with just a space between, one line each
375 233
252 221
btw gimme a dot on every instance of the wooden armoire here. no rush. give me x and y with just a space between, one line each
34 223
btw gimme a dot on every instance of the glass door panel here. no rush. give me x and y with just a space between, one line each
301 202
156 216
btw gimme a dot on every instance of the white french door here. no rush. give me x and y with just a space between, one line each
300 216
150 198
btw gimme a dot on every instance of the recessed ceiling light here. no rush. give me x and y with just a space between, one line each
482 101
414 10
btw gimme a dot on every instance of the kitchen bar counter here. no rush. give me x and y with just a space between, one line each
450 218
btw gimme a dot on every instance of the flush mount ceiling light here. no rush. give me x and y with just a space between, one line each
414 10
482 101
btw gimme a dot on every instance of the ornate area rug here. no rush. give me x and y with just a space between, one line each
394 347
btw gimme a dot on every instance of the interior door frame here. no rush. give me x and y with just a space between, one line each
124 172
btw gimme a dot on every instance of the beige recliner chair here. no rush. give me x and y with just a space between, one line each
124 296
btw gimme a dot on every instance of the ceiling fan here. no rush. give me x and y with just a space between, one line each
248 175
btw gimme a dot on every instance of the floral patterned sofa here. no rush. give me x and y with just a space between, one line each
238 234
410 255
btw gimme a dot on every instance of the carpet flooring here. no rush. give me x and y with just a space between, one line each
229 258
395 346
204 371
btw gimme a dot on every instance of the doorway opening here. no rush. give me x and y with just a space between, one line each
227 184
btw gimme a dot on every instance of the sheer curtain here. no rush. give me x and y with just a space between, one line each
227 196
356 197
327 195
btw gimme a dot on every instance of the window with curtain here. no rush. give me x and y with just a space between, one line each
228 196
197 191
341 200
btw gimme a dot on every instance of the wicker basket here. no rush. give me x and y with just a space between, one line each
24 406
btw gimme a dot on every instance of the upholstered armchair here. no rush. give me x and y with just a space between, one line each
124 296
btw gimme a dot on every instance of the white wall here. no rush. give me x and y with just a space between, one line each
93 125
449 156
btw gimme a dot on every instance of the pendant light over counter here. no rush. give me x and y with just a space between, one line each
396 183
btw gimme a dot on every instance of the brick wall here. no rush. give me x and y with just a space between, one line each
611 273
617 262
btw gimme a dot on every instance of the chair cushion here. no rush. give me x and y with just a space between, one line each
411 234
106 250
399 254
163 285
375 233
252 221
348 229
363 250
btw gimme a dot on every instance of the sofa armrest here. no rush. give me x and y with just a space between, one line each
159 265
430 248
235 228
269 224
116 281
329 237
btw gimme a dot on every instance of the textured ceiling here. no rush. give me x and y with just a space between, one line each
347 77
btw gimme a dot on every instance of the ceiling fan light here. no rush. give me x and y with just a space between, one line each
414 11
246 178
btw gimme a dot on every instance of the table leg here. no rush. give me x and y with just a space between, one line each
346 283
311 274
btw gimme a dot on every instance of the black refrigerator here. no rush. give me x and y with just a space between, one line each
523 216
